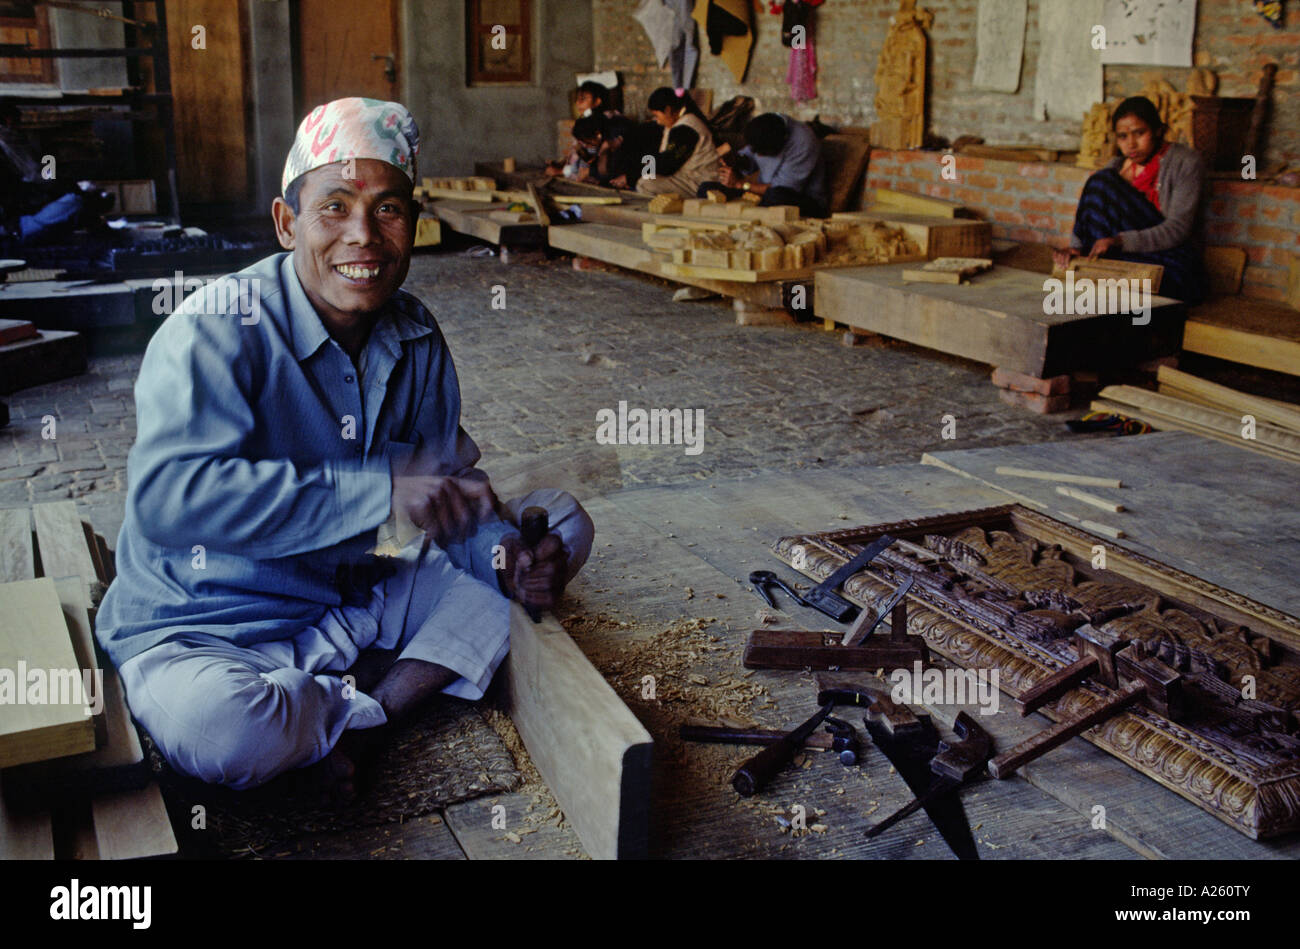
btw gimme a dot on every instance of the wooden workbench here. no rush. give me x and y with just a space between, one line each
996 318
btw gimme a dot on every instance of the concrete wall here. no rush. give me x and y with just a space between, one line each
458 124
1230 38
461 125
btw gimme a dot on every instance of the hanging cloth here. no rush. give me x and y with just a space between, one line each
802 75
657 19
730 31
685 54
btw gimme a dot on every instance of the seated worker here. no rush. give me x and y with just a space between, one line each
595 158
590 102
1145 206
278 428
686 157
781 162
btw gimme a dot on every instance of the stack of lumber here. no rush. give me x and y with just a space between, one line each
485 191
937 235
753 252
1189 403
69 777
889 201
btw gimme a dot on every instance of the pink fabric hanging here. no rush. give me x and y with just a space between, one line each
802 75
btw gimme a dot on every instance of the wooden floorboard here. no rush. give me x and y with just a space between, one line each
1211 510
421 838
519 838
666 537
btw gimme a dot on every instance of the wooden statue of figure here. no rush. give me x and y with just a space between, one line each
900 80
1097 144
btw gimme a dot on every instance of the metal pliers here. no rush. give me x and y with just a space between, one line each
764 580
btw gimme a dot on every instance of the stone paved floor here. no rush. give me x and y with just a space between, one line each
566 344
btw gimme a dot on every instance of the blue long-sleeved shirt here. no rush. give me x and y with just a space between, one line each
799 165
260 474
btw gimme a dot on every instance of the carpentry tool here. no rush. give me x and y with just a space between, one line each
533 526
726 735
798 649
755 773
955 764
910 742
823 596
844 740
1108 660
764 580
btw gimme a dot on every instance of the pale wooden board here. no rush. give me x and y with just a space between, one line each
471 825
35 632
61 542
591 751
1254 332
716 525
16 562
72 600
996 318
130 825
25 836
1212 511
476 220
421 838
623 247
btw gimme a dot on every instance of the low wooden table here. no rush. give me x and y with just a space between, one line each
997 318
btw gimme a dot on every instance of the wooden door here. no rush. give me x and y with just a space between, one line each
342 50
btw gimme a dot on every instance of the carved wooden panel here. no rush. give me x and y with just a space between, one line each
1003 588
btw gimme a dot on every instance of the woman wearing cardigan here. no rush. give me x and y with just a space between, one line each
1145 206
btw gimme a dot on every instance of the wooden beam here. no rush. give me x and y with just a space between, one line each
1253 332
36 635
16 560
589 748
132 825
61 544
1230 399
1064 477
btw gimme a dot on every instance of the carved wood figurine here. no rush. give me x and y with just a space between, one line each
1097 144
900 80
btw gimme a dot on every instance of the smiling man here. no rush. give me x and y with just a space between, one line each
254 630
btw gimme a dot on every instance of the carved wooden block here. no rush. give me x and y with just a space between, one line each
1006 588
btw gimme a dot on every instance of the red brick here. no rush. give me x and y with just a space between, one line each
1018 381
970 164
1065 209
1036 169
1222 231
1036 205
1041 404
995 200
981 181
1042 221
1273 235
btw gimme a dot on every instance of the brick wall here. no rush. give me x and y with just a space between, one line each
1230 38
1035 201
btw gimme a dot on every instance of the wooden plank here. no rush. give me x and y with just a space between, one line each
11 331
589 748
937 236
72 600
846 161
35 634
61 545
131 825
421 838
119 762
16 559
1065 477
1253 332
1226 423
471 823
998 319
913 203
1269 410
